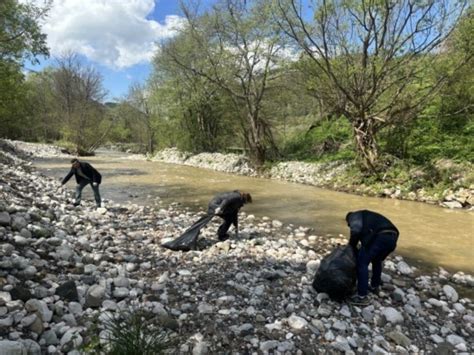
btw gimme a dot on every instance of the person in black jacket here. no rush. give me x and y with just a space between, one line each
378 238
85 174
227 205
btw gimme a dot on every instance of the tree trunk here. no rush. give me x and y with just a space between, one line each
256 141
366 144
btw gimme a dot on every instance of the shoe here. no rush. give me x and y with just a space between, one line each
75 204
223 237
359 300
374 290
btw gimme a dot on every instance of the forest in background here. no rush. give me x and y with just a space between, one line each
388 84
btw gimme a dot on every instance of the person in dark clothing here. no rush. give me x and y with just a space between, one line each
378 238
85 174
225 205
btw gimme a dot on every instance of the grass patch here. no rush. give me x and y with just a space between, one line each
128 332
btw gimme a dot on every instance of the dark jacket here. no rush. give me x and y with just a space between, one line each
229 203
89 171
366 225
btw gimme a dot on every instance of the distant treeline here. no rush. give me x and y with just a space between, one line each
375 81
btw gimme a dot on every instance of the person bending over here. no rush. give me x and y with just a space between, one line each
378 237
85 174
227 205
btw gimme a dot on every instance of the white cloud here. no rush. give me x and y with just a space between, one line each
114 33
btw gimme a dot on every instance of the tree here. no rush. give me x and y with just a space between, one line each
238 46
42 121
20 39
372 56
20 33
139 99
193 101
78 93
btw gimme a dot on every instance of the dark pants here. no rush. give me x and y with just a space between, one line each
81 186
381 246
224 227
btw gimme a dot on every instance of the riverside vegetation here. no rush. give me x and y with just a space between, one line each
77 279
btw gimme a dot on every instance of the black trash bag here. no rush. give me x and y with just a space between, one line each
337 274
188 239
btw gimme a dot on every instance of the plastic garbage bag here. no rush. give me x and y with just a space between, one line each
188 239
337 274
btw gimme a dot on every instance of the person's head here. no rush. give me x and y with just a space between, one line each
75 163
246 197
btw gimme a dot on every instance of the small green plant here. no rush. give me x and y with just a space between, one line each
129 332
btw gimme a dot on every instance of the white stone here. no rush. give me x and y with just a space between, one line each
200 348
121 282
41 307
450 293
392 315
459 308
277 223
436 338
121 292
297 322
28 320
20 240
404 268
312 266
95 295
5 296
452 204
205 308
454 339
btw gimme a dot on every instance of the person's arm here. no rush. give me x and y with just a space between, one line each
214 206
356 225
236 223
67 177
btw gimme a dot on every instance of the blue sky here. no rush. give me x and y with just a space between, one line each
116 37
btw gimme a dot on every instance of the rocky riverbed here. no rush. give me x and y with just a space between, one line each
64 270
337 176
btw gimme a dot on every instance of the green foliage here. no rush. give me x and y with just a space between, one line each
129 332
12 102
20 34
325 141
429 141
20 38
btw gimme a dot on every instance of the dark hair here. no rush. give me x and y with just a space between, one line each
75 160
247 198
347 216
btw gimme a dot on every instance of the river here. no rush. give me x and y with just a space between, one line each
430 236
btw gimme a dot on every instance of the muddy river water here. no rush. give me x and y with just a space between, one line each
430 236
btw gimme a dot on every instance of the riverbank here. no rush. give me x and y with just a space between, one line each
413 185
64 270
